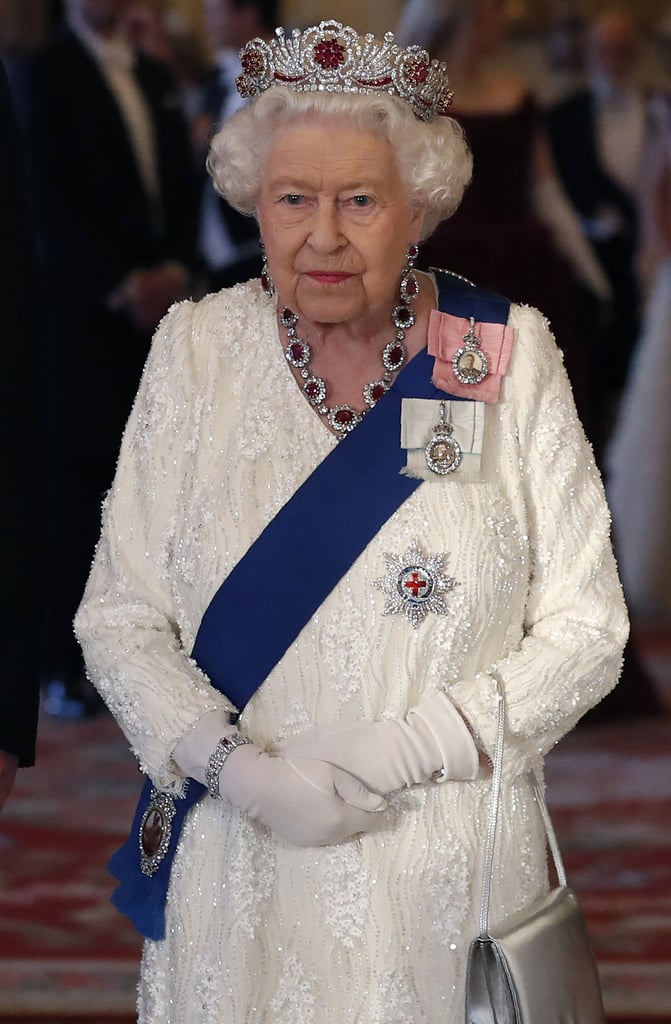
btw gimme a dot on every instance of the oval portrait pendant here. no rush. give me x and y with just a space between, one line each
443 452
470 362
155 831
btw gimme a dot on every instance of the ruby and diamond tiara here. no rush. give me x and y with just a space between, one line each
331 57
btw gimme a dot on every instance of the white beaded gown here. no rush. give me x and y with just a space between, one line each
376 929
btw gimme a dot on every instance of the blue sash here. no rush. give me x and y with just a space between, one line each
333 516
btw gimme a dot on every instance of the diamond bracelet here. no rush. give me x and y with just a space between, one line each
217 759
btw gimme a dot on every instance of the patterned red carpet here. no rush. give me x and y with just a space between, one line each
66 955
610 793
63 946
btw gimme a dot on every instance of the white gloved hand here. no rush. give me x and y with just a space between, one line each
431 738
308 803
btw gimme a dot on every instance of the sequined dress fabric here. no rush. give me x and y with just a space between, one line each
376 929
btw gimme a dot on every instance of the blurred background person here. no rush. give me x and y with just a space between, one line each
565 58
144 26
638 464
662 47
113 189
515 231
20 517
163 32
229 241
597 138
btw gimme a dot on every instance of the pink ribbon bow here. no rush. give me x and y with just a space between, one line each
445 338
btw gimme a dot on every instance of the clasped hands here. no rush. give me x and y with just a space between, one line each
432 741
329 783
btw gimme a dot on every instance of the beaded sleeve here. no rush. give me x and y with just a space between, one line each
575 619
127 622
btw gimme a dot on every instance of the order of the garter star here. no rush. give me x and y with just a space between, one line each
415 585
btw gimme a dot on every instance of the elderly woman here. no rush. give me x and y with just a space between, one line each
352 501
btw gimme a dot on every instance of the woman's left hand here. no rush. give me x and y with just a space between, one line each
432 741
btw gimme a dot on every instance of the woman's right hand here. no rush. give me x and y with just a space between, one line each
306 802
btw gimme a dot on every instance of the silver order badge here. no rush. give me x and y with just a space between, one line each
155 831
415 585
470 362
443 452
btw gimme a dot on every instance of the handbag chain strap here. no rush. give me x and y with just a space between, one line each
492 818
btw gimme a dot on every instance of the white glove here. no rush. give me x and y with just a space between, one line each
308 803
432 738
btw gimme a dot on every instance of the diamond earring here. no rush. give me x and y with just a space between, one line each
266 279
409 282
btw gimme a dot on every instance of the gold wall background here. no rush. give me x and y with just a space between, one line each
23 22
379 15
367 17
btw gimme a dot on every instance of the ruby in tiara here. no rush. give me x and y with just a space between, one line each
330 54
417 70
252 63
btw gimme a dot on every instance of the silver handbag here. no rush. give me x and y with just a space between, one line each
538 966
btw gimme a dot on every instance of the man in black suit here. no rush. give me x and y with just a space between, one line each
115 200
597 139
20 525
229 241
596 136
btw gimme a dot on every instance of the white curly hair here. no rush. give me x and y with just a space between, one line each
433 158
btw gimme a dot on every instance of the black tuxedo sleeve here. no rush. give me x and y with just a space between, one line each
94 219
20 528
